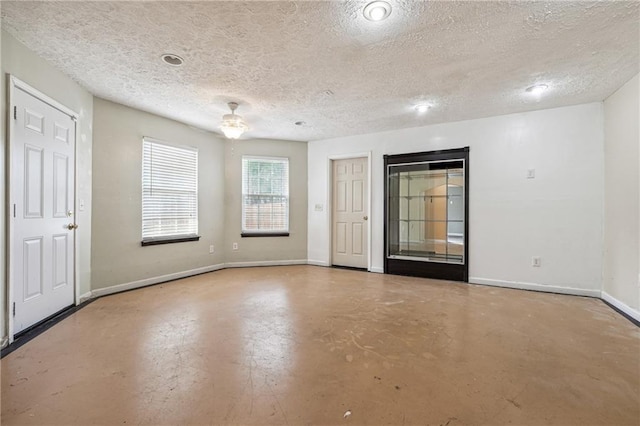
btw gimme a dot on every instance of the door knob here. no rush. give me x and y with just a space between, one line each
72 226
366 218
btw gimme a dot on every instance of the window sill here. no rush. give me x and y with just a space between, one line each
169 240
264 234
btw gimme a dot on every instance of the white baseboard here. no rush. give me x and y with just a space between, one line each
473 280
154 280
84 297
620 305
169 277
265 263
323 263
536 287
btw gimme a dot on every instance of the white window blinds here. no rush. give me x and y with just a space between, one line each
265 195
169 191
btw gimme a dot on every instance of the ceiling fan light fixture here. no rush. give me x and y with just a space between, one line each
377 11
233 126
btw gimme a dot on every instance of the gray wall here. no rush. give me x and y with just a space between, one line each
117 256
257 249
40 74
622 195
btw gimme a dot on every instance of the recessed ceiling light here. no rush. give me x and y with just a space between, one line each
537 89
173 60
377 11
422 108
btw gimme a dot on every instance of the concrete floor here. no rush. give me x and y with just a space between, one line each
304 345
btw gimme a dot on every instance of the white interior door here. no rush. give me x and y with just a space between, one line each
42 182
350 213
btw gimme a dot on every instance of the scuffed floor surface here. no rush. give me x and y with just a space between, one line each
306 345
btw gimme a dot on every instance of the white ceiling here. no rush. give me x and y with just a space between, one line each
278 60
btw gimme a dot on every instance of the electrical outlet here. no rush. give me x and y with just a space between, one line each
536 262
211 249
235 246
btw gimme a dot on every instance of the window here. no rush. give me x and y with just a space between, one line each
265 196
169 193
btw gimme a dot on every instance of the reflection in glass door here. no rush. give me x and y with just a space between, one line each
426 206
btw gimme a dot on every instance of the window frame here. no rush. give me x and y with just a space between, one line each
272 232
175 238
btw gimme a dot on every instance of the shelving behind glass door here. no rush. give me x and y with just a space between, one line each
426 212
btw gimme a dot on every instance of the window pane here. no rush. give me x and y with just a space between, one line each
265 194
169 190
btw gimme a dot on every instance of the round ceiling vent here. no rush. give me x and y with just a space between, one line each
173 60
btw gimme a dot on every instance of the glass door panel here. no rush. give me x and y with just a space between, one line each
425 211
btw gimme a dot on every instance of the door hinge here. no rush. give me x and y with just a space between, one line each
15 112
14 309
14 210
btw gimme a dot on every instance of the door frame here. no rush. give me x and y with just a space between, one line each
330 160
15 84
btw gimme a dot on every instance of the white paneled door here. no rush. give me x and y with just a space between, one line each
42 182
350 213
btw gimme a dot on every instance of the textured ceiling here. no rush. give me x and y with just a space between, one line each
323 63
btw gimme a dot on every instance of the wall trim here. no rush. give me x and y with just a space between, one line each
536 287
119 288
628 310
317 262
472 280
374 269
84 297
265 263
154 280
